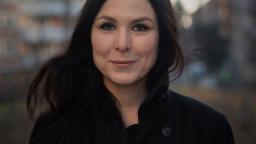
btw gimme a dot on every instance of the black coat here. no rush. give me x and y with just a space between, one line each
170 119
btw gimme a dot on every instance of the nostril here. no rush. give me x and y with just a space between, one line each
123 49
123 46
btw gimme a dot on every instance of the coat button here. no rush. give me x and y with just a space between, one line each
166 131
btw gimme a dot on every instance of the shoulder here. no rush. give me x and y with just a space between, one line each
198 120
188 106
43 124
52 129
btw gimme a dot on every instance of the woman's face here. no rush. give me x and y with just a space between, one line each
125 40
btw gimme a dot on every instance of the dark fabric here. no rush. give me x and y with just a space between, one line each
132 132
169 119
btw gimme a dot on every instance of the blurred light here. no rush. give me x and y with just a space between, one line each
187 21
173 1
191 6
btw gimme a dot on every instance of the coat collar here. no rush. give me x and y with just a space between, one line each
152 112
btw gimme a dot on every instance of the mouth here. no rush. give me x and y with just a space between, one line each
123 63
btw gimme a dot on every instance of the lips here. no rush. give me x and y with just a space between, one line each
123 63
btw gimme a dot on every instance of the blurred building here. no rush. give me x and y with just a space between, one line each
226 30
46 25
31 31
243 40
10 37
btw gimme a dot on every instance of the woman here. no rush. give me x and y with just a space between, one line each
111 84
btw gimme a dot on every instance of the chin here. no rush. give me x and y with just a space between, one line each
125 81
122 79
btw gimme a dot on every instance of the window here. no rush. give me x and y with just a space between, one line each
8 49
7 21
3 49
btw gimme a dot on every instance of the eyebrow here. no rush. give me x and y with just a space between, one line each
140 19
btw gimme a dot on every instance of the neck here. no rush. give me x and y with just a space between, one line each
129 98
127 95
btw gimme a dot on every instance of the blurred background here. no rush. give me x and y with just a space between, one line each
218 37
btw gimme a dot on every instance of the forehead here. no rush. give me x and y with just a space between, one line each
129 8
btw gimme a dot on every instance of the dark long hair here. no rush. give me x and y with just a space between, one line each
70 84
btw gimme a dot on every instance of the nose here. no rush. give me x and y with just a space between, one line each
123 40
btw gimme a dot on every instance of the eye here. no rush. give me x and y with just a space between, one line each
140 27
107 26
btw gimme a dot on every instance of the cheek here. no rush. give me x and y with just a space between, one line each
101 45
149 51
150 58
148 46
97 42
98 49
